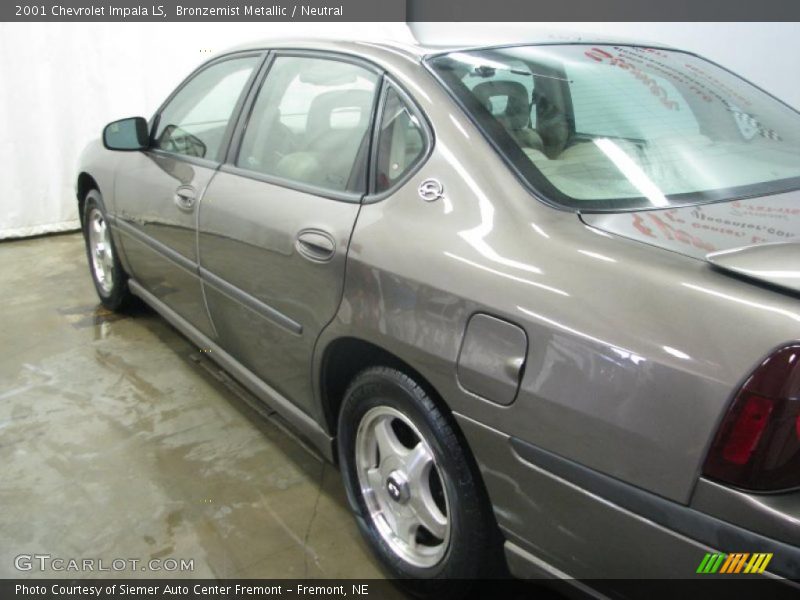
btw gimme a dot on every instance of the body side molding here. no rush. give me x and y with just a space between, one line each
304 424
254 304
209 278
174 257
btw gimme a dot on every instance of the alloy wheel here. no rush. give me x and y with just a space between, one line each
402 486
100 250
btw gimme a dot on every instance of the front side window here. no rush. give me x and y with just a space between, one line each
401 143
310 124
195 120
618 127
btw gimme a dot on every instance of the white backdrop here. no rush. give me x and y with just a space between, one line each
62 82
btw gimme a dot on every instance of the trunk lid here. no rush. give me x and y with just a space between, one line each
758 238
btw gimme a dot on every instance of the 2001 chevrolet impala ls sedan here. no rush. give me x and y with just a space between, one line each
540 302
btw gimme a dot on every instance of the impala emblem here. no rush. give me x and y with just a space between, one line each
397 487
430 190
394 490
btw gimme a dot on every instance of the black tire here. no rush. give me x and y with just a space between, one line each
473 550
113 291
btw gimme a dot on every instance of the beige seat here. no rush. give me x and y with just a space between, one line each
330 142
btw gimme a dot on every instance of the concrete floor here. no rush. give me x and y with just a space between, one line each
119 440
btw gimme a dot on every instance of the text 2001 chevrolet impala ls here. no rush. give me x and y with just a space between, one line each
539 301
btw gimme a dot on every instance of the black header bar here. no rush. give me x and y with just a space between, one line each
708 587
401 10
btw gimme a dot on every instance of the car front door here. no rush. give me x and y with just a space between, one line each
157 191
275 222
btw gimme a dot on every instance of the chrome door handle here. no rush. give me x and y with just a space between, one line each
315 245
185 198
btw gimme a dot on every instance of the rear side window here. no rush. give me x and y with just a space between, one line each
401 143
194 122
310 124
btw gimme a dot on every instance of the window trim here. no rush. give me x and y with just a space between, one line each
289 184
428 140
229 165
212 163
246 109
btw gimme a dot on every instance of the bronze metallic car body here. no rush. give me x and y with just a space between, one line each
587 358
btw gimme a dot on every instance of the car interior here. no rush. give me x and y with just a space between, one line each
317 145
623 139
541 122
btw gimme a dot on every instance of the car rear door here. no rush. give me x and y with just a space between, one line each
275 222
157 191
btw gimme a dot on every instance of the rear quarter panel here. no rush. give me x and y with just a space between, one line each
634 352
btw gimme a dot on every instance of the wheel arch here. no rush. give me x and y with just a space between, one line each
85 183
342 359
345 357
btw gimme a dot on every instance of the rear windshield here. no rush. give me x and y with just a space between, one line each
619 127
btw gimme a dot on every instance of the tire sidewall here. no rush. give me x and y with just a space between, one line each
119 291
389 388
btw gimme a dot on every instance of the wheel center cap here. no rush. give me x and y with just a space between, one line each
397 487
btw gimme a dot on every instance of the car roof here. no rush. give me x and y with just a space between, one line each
416 51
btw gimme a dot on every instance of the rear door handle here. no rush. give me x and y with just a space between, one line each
316 245
185 198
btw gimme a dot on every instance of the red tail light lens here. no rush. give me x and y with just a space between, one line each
757 446
747 429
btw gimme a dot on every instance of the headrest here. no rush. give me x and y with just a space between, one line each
517 111
354 104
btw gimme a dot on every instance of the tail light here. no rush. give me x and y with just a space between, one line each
757 446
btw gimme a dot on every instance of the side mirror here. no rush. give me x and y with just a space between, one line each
126 134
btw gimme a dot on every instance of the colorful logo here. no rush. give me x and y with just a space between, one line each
738 562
